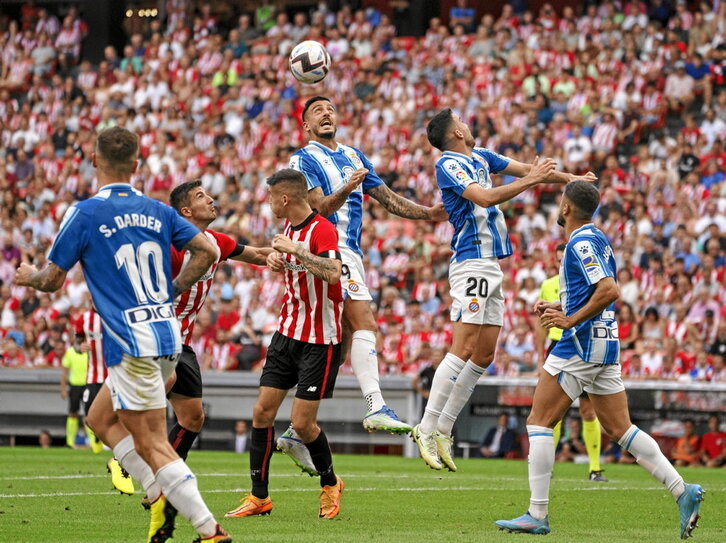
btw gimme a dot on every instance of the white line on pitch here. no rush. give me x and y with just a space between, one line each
362 489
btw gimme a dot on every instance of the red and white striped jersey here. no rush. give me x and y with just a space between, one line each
187 305
311 308
89 326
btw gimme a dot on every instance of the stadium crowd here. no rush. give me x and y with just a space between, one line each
631 90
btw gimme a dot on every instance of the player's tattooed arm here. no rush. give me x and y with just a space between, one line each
398 205
202 257
327 269
49 279
327 205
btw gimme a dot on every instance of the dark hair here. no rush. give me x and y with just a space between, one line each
294 178
560 247
180 195
311 101
438 128
652 311
117 149
585 197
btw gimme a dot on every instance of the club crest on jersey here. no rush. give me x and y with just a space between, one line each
353 286
355 160
474 305
347 172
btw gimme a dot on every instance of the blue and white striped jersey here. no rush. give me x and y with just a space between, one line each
330 170
588 259
478 232
122 240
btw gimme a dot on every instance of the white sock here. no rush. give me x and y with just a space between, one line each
647 453
180 488
136 467
460 394
541 461
441 386
364 359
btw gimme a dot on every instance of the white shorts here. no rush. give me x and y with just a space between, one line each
476 291
575 375
353 277
137 384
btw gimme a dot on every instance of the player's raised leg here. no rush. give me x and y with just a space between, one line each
481 355
612 410
360 323
258 501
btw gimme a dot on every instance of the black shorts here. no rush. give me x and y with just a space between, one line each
188 375
549 350
310 366
89 395
74 398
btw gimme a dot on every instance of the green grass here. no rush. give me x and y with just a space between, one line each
62 495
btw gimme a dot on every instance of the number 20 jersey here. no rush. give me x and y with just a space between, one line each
122 238
588 259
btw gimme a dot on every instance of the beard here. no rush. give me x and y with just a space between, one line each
326 135
561 219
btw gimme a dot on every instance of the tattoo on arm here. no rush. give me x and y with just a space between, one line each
49 279
333 202
398 205
202 257
327 269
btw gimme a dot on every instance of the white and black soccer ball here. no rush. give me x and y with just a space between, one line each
309 62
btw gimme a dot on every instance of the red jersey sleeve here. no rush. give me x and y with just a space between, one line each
226 244
324 241
177 259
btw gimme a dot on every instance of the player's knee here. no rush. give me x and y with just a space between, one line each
192 421
306 429
263 416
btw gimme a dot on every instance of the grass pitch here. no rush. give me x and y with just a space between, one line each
62 495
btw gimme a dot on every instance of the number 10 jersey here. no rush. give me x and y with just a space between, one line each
122 239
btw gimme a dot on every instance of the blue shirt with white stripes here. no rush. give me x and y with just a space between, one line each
588 259
478 232
122 239
330 170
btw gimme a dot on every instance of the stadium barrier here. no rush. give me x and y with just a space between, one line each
30 402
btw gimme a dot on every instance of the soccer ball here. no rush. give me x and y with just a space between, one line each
309 62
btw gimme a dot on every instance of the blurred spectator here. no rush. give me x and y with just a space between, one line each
499 440
713 444
241 437
686 450
571 444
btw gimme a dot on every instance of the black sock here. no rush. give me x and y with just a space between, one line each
182 440
323 460
260 453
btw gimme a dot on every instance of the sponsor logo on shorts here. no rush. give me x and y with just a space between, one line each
474 305
312 389
353 286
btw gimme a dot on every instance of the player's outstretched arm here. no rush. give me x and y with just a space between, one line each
538 173
254 255
327 205
203 256
49 279
403 207
520 169
327 269
606 292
